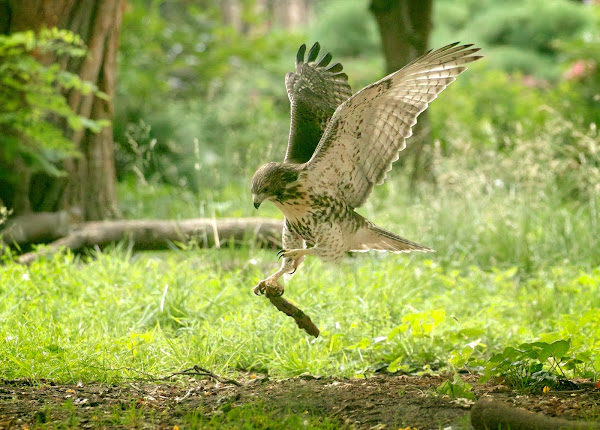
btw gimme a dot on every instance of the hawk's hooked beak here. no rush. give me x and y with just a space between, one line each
257 201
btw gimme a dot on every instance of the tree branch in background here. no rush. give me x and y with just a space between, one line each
40 227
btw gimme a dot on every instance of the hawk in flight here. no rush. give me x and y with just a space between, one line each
341 145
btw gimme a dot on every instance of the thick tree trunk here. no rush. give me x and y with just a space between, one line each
90 184
404 27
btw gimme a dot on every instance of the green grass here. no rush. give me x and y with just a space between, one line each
118 316
133 414
257 415
514 263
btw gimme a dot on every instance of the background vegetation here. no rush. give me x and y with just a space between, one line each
513 213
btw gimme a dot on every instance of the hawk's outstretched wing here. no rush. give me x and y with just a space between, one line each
367 132
315 91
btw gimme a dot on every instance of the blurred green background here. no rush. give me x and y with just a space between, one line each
201 105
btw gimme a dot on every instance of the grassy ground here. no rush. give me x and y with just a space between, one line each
119 316
503 275
515 264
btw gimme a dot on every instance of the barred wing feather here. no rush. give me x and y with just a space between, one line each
315 90
367 132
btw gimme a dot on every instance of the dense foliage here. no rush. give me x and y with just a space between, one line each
180 52
33 106
243 73
519 36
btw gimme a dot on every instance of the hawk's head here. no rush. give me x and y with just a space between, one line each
271 180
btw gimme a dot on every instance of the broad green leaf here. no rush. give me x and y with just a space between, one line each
556 349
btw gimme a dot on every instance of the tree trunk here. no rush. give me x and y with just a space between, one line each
404 27
91 180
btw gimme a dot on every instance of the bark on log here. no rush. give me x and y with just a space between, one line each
493 414
159 234
39 227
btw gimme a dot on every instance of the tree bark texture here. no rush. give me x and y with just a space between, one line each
91 180
404 27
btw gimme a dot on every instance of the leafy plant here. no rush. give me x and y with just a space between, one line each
33 107
581 87
456 388
531 366
497 128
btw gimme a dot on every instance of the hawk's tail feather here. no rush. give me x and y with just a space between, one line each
379 239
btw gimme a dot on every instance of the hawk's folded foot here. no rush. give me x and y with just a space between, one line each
294 254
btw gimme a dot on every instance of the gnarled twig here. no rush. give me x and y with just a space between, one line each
200 371
302 320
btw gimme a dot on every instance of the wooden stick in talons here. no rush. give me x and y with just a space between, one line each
302 320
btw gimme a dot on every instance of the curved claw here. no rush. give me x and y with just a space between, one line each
268 287
259 289
280 253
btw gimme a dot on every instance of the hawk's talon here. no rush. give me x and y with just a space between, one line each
270 287
280 253
259 289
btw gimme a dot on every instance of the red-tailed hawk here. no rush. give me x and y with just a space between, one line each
340 146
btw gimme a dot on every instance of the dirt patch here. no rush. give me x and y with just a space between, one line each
376 402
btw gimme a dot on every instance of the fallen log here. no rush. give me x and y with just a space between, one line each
493 414
39 227
162 234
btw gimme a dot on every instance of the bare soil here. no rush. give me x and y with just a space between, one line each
378 402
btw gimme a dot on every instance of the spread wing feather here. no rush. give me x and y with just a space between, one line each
367 132
315 90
